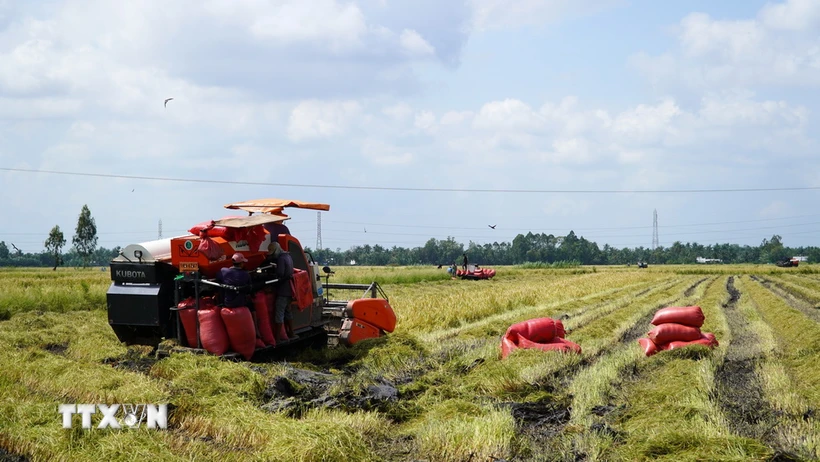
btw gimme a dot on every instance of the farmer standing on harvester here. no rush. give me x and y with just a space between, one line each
284 292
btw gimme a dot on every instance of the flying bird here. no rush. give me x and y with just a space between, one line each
132 190
166 101
492 226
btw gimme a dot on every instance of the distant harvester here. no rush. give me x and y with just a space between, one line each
708 260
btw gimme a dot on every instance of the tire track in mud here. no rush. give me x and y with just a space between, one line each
795 301
738 391
6 456
543 422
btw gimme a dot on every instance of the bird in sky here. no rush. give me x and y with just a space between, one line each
166 101
365 230
492 226
132 190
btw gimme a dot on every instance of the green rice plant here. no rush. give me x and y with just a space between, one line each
806 289
595 386
791 380
458 430
46 290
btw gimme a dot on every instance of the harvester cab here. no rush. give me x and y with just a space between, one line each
167 289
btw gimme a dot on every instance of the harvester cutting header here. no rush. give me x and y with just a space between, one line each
174 288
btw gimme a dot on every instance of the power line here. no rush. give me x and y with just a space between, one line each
397 188
577 229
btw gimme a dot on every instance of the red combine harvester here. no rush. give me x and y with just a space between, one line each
166 289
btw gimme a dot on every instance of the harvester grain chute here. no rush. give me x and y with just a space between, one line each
157 284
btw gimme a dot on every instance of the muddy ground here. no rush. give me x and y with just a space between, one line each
6 456
738 390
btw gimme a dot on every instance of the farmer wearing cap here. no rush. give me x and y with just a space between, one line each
238 277
277 228
284 293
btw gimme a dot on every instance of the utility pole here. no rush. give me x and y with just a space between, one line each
159 229
655 243
318 230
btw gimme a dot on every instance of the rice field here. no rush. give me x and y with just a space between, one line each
436 389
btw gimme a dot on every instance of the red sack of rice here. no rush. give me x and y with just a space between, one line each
241 331
507 346
649 347
187 316
539 330
571 346
558 344
263 318
687 315
209 247
559 329
701 341
212 331
672 332
711 337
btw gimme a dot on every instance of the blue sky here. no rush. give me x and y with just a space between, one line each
555 95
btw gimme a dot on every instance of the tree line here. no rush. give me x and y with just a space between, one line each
524 248
547 248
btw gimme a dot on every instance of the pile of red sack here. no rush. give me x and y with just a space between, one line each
677 327
544 334
229 329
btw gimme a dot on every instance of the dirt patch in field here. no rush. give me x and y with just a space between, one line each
738 391
640 328
691 290
794 300
136 359
540 422
6 456
56 348
299 390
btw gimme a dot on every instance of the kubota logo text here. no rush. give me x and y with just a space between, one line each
129 274
117 415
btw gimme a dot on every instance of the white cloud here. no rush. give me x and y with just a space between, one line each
337 26
381 153
414 44
426 121
795 15
509 114
398 111
455 117
498 14
647 122
741 109
775 48
39 108
321 119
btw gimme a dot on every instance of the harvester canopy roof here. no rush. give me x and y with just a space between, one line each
274 206
247 222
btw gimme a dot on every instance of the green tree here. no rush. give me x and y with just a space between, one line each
85 236
54 245
4 251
